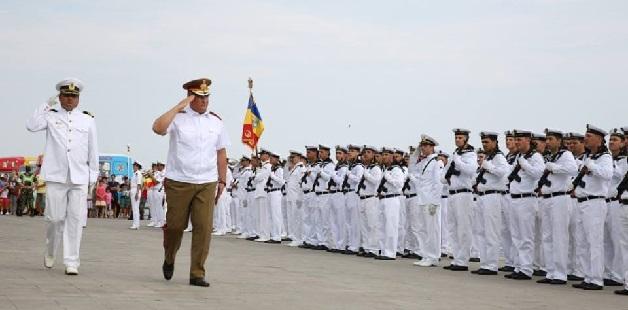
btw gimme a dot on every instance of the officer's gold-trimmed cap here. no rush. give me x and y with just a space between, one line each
199 86
70 86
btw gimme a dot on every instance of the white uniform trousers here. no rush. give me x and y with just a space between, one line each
251 216
370 209
555 236
429 232
323 205
135 207
263 218
294 209
310 220
64 208
459 214
524 211
236 214
157 208
574 265
284 214
352 220
149 204
275 216
590 234
414 220
476 229
220 215
388 226
613 258
539 259
337 231
445 228
508 247
403 225
490 218
624 242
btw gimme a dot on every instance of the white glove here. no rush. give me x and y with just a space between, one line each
487 165
53 100
550 166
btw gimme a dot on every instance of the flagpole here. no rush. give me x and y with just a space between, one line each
251 94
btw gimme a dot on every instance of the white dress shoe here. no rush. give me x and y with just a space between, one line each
294 244
261 240
49 261
188 230
71 271
150 224
134 227
242 236
424 263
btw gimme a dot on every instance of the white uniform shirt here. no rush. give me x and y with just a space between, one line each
562 167
293 183
159 178
261 177
496 170
325 170
194 140
136 180
620 166
71 151
372 176
243 177
354 174
466 162
340 171
310 170
393 180
598 179
531 171
425 177
276 178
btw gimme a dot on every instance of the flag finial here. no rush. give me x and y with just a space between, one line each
250 84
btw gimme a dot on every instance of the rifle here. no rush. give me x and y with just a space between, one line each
622 187
544 180
345 182
361 185
451 171
578 180
406 185
381 188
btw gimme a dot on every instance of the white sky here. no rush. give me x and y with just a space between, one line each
390 69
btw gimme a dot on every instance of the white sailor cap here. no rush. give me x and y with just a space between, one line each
311 148
461 131
323 147
625 129
596 130
574 135
489 134
425 139
244 158
354 147
617 132
538 136
509 134
444 154
70 86
341 148
522 133
264 151
273 154
294 152
400 151
370 147
553 132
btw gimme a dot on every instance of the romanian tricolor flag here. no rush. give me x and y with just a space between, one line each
253 126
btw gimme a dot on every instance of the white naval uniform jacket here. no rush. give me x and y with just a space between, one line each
308 181
620 167
466 162
496 168
393 179
532 167
243 178
261 177
293 182
276 178
598 179
372 176
338 176
425 176
562 167
354 175
325 170
71 144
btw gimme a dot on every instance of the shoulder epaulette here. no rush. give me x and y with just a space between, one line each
216 115
87 113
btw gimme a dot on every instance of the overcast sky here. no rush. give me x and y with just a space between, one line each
331 72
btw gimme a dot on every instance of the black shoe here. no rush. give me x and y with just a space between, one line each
286 239
305 246
458 268
252 238
361 254
272 241
558 282
381 257
522 276
370 255
447 267
399 254
507 269
451 257
168 270
572 277
412 255
348 252
474 260
199 282
622 292
486 272
580 285
592 287
511 275
609 282
545 281
476 271
539 273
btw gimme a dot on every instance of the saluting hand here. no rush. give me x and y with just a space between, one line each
53 100
185 102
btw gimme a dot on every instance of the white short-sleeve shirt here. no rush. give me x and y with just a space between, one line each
194 141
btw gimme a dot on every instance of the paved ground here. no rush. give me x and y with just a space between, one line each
121 269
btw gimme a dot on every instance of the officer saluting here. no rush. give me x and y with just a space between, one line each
71 163
196 176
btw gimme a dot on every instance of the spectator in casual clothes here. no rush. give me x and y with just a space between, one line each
108 200
100 204
40 201
114 187
4 195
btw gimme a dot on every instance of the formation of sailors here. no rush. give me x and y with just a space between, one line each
555 205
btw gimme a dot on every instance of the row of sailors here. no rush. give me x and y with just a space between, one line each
554 206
